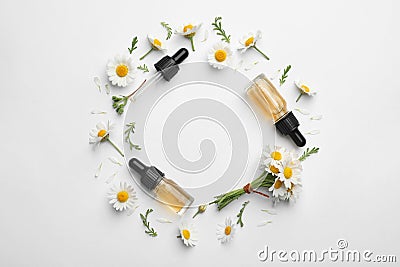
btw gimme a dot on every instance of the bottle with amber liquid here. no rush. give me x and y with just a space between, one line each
165 190
264 94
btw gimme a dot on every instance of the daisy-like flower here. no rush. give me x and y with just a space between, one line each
102 134
188 233
304 89
278 189
273 157
220 56
156 44
122 196
290 171
293 192
120 71
189 31
249 41
225 232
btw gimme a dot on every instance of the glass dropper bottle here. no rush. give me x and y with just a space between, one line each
264 94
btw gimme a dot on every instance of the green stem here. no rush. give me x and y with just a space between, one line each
115 146
148 52
259 51
298 98
192 43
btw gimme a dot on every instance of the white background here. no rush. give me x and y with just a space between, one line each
54 213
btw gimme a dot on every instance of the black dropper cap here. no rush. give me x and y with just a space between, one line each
168 66
150 177
288 125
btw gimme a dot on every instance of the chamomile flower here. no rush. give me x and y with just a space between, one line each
120 71
273 156
122 196
156 44
290 171
188 233
225 232
278 189
102 134
249 41
304 89
293 192
189 31
220 56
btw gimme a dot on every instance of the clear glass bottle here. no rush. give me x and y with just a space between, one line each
165 190
265 95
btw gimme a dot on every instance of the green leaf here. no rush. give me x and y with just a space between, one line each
308 152
133 45
131 130
143 68
240 214
282 80
149 230
221 32
168 28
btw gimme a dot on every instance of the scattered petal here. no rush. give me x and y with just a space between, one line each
98 170
313 132
107 86
316 117
250 66
264 223
303 111
111 178
97 82
270 212
115 161
163 220
275 75
205 36
132 210
239 65
97 111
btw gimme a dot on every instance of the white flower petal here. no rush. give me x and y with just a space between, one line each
264 223
97 82
111 177
97 111
107 86
303 111
163 220
313 132
250 66
115 161
132 210
316 117
98 170
205 36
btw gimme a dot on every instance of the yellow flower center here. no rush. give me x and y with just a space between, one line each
228 230
276 155
122 196
121 70
305 88
287 172
102 133
186 234
249 41
220 55
274 169
187 27
156 42
278 184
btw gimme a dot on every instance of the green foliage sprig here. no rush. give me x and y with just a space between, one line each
143 68
168 28
131 130
308 152
119 102
282 80
149 230
240 214
221 32
133 45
